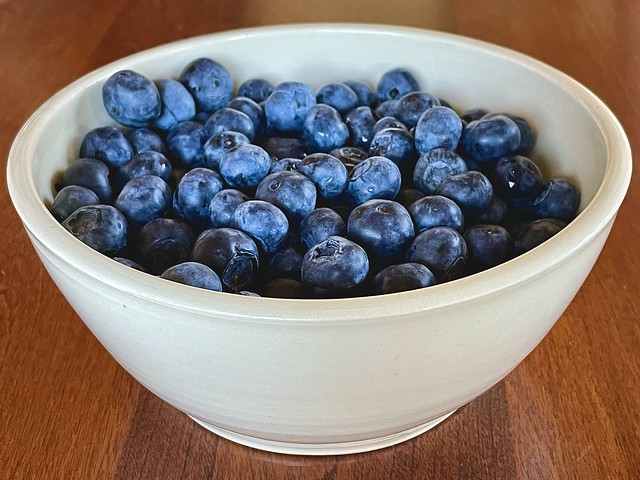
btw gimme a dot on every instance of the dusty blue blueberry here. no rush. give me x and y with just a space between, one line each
527 133
438 127
402 277
229 120
374 177
488 246
257 89
411 106
102 227
436 211
265 223
185 144
90 173
145 163
442 250
287 107
145 140
396 144
291 192
222 206
435 166
245 166
321 224
285 147
364 92
253 110
143 199
350 156
209 83
232 254
334 265
217 146
472 191
558 199
131 99
323 129
327 172
360 122
337 95
288 164
387 109
535 233
162 243
178 104
490 138
194 194
70 198
107 144
395 83
516 178
388 122
194 274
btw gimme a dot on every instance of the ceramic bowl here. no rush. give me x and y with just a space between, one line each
342 375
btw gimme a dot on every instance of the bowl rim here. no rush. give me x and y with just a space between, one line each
595 217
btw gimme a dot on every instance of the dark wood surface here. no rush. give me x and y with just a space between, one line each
68 411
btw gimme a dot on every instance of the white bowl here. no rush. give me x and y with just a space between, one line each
345 375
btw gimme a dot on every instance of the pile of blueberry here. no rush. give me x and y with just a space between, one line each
281 191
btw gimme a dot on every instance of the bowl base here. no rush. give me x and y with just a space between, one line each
323 448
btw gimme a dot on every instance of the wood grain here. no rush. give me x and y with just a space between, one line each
68 411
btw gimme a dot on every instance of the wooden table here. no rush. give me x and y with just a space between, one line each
68 411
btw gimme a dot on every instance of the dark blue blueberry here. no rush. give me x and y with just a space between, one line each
516 177
70 198
558 199
442 250
436 211
185 144
283 288
496 213
145 140
102 227
285 164
131 99
435 166
337 95
209 83
472 191
194 194
287 106
396 144
402 277
323 129
286 263
143 199
327 172
107 144
360 122
438 127
473 114
222 206
535 233
488 246
406 196
364 92
489 138
284 147
229 120
177 104
201 117
334 265
162 243
321 224
145 163
350 156
90 173
387 109
527 133
257 89
375 177
232 254
382 227
262 221
194 274
253 111
130 263
291 192
388 122
395 83
411 106
216 147
245 166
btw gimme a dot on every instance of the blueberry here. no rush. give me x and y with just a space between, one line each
323 129
245 166
382 227
334 265
70 198
143 199
216 147
401 278
434 167
194 194
285 263
185 143
101 227
283 288
194 274
145 163
284 147
535 233
350 156
472 114
360 122
472 191
436 211
364 93
287 106
285 164
396 144
516 177
411 106
337 95
527 133
406 196
232 254
229 120
252 110
162 243
489 138
442 250
395 83
107 144
90 173
131 99
488 246
130 263
327 172
496 213
291 192
374 177
387 109
558 199
262 221
257 89
321 224
178 104
209 83
388 122
145 140
438 127
222 206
